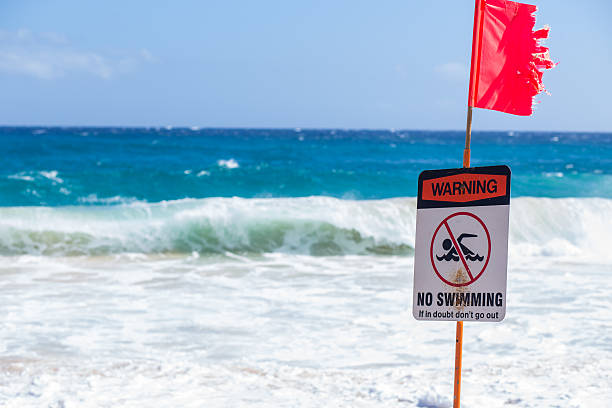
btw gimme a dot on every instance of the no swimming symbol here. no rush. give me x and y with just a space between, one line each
460 249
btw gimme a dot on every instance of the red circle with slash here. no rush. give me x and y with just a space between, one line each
472 277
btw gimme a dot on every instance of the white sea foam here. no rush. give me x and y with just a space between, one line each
228 164
21 176
32 175
51 175
94 199
289 330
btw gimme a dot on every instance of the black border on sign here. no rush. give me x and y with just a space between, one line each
433 174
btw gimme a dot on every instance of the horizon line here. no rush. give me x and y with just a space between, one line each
296 129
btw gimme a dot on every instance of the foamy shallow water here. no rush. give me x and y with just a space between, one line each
291 330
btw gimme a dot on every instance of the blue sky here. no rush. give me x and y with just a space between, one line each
310 64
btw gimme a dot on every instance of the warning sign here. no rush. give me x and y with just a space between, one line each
461 244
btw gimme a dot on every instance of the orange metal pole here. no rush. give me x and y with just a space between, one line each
468 138
472 95
458 354
459 333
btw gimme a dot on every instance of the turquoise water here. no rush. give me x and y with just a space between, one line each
99 166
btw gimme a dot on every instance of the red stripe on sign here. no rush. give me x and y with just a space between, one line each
461 188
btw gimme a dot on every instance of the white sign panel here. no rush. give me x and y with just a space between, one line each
461 244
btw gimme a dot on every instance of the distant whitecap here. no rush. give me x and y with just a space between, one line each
556 174
228 164
51 175
94 199
21 176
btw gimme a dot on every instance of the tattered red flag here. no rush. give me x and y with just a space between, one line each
507 57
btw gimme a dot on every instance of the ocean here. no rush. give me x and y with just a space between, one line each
149 267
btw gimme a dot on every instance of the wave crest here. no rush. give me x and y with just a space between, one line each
312 225
541 227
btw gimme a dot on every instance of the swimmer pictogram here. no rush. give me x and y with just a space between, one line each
465 245
452 254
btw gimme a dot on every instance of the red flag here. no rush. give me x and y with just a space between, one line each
507 57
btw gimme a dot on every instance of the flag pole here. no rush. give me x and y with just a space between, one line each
459 331
472 93
468 138
474 74
458 347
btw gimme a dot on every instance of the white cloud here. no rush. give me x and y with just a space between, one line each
453 71
50 56
146 55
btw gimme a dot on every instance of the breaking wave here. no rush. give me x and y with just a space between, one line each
312 225
573 227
